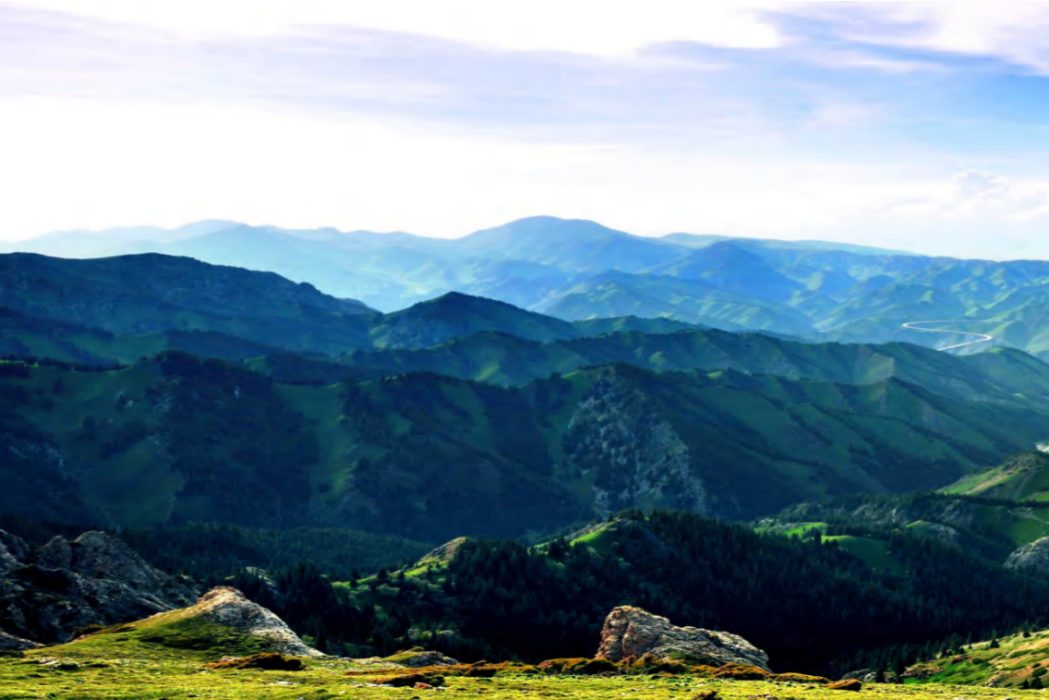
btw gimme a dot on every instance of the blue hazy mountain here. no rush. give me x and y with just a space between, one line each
579 270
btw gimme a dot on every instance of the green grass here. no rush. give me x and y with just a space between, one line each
158 679
874 553
1012 662
803 528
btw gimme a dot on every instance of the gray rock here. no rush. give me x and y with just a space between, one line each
1033 556
94 580
636 456
228 606
633 632
13 550
10 642
97 555
56 554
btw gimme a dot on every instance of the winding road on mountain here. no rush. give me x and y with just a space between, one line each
979 337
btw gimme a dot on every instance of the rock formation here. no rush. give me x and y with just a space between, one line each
631 631
1033 557
228 606
11 643
94 580
635 456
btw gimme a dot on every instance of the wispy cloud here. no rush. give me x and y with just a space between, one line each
775 118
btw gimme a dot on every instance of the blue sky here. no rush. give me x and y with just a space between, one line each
908 125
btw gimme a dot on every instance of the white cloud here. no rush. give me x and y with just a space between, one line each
579 26
1009 28
980 195
83 164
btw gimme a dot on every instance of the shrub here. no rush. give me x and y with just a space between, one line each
87 631
554 666
741 672
409 680
846 684
91 630
649 664
799 678
262 662
705 695
579 667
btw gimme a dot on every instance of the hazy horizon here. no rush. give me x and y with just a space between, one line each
913 126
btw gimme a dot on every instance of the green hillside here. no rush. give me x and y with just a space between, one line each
1001 376
1012 661
29 336
179 439
124 308
509 600
139 294
1024 477
692 301
991 527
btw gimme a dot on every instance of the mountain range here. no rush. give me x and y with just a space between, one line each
176 439
239 426
577 270
149 389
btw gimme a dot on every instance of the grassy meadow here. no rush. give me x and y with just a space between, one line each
171 679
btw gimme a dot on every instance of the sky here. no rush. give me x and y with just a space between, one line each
909 125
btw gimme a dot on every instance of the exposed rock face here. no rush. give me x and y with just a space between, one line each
1033 556
11 643
228 606
631 631
637 455
12 551
94 580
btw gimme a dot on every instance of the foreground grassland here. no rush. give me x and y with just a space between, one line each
120 679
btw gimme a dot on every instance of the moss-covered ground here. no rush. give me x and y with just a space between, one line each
171 679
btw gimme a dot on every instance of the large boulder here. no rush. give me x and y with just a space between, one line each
228 606
95 579
633 632
1032 557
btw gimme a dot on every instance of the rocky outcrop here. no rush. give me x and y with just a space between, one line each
1033 557
228 606
95 579
635 455
633 632
9 642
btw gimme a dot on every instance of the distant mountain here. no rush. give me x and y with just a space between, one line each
733 268
455 315
693 301
133 295
692 240
120 309
568 244
578 270
29 336
1003 376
